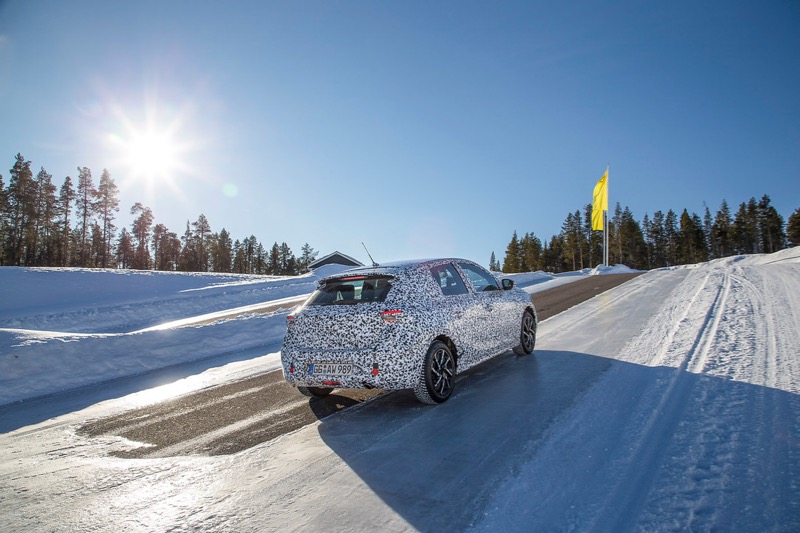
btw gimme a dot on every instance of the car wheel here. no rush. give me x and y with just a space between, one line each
527 334
314 392
438 376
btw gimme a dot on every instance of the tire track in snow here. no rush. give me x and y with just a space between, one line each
739 441
625 502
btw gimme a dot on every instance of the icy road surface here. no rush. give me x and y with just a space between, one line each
669 403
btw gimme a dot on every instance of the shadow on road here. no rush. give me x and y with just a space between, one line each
439 466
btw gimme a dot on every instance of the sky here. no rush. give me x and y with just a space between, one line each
421 129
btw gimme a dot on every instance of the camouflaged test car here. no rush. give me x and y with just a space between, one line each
409 325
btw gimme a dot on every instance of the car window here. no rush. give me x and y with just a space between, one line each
448 280
480 279
350 291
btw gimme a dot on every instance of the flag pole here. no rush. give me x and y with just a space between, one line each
605 220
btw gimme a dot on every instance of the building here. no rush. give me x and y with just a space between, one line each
336 258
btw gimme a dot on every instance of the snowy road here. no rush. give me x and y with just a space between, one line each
669 403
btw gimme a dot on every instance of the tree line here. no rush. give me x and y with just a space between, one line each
659 241
74 226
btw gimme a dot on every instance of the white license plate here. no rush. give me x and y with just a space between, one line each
330 369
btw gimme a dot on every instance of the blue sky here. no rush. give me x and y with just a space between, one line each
421 128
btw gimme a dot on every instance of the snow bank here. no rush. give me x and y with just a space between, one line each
616 269
66 328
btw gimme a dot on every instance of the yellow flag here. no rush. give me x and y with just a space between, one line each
600 201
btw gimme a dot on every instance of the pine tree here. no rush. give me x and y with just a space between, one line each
287 261
615 237
140 233
172 251
66 197
770 225
106 204
531 252
201 231
793 228
572 236
671 238
85 209
707 229
511 261
125 251
493 266
634 250
261 259
721 232
160 243
221 257
188 261
238 258
21 200
307 256
691 240
744 229
593 239
96 246
274 260
45 212
553 256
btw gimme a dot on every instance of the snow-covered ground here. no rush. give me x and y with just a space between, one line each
669 403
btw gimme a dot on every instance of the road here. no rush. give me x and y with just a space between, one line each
229 418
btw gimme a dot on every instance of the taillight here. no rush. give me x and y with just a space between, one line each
391 315
290 320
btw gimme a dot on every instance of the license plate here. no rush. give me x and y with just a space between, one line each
330 369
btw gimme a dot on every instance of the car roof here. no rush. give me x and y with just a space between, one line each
392 267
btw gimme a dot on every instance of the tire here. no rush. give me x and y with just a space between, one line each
527 334
438 376
314 392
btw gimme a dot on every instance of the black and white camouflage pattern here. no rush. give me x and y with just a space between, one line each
479 325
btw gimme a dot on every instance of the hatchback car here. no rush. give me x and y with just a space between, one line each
410 325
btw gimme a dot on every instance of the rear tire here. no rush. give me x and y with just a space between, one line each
314 392
438 376
527 334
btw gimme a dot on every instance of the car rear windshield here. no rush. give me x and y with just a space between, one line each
352 290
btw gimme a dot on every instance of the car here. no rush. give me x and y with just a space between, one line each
404 325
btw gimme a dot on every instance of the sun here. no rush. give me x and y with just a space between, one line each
152 149
151 154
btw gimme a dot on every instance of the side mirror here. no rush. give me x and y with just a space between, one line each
508 284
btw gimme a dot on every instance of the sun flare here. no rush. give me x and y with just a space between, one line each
152 148
151 154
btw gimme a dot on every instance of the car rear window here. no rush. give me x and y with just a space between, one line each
352 290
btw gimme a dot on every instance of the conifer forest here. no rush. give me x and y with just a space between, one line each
42 224
660 240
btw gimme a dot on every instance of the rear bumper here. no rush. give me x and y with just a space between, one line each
369 369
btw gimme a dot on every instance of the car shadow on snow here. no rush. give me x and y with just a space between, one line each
434 464
438 466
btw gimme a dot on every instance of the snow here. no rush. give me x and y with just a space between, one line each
671 402
67 328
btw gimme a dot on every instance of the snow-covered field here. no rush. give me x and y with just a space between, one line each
669 403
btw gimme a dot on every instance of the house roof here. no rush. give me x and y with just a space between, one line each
337 258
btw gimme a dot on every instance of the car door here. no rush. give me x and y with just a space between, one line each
494 327
461 313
